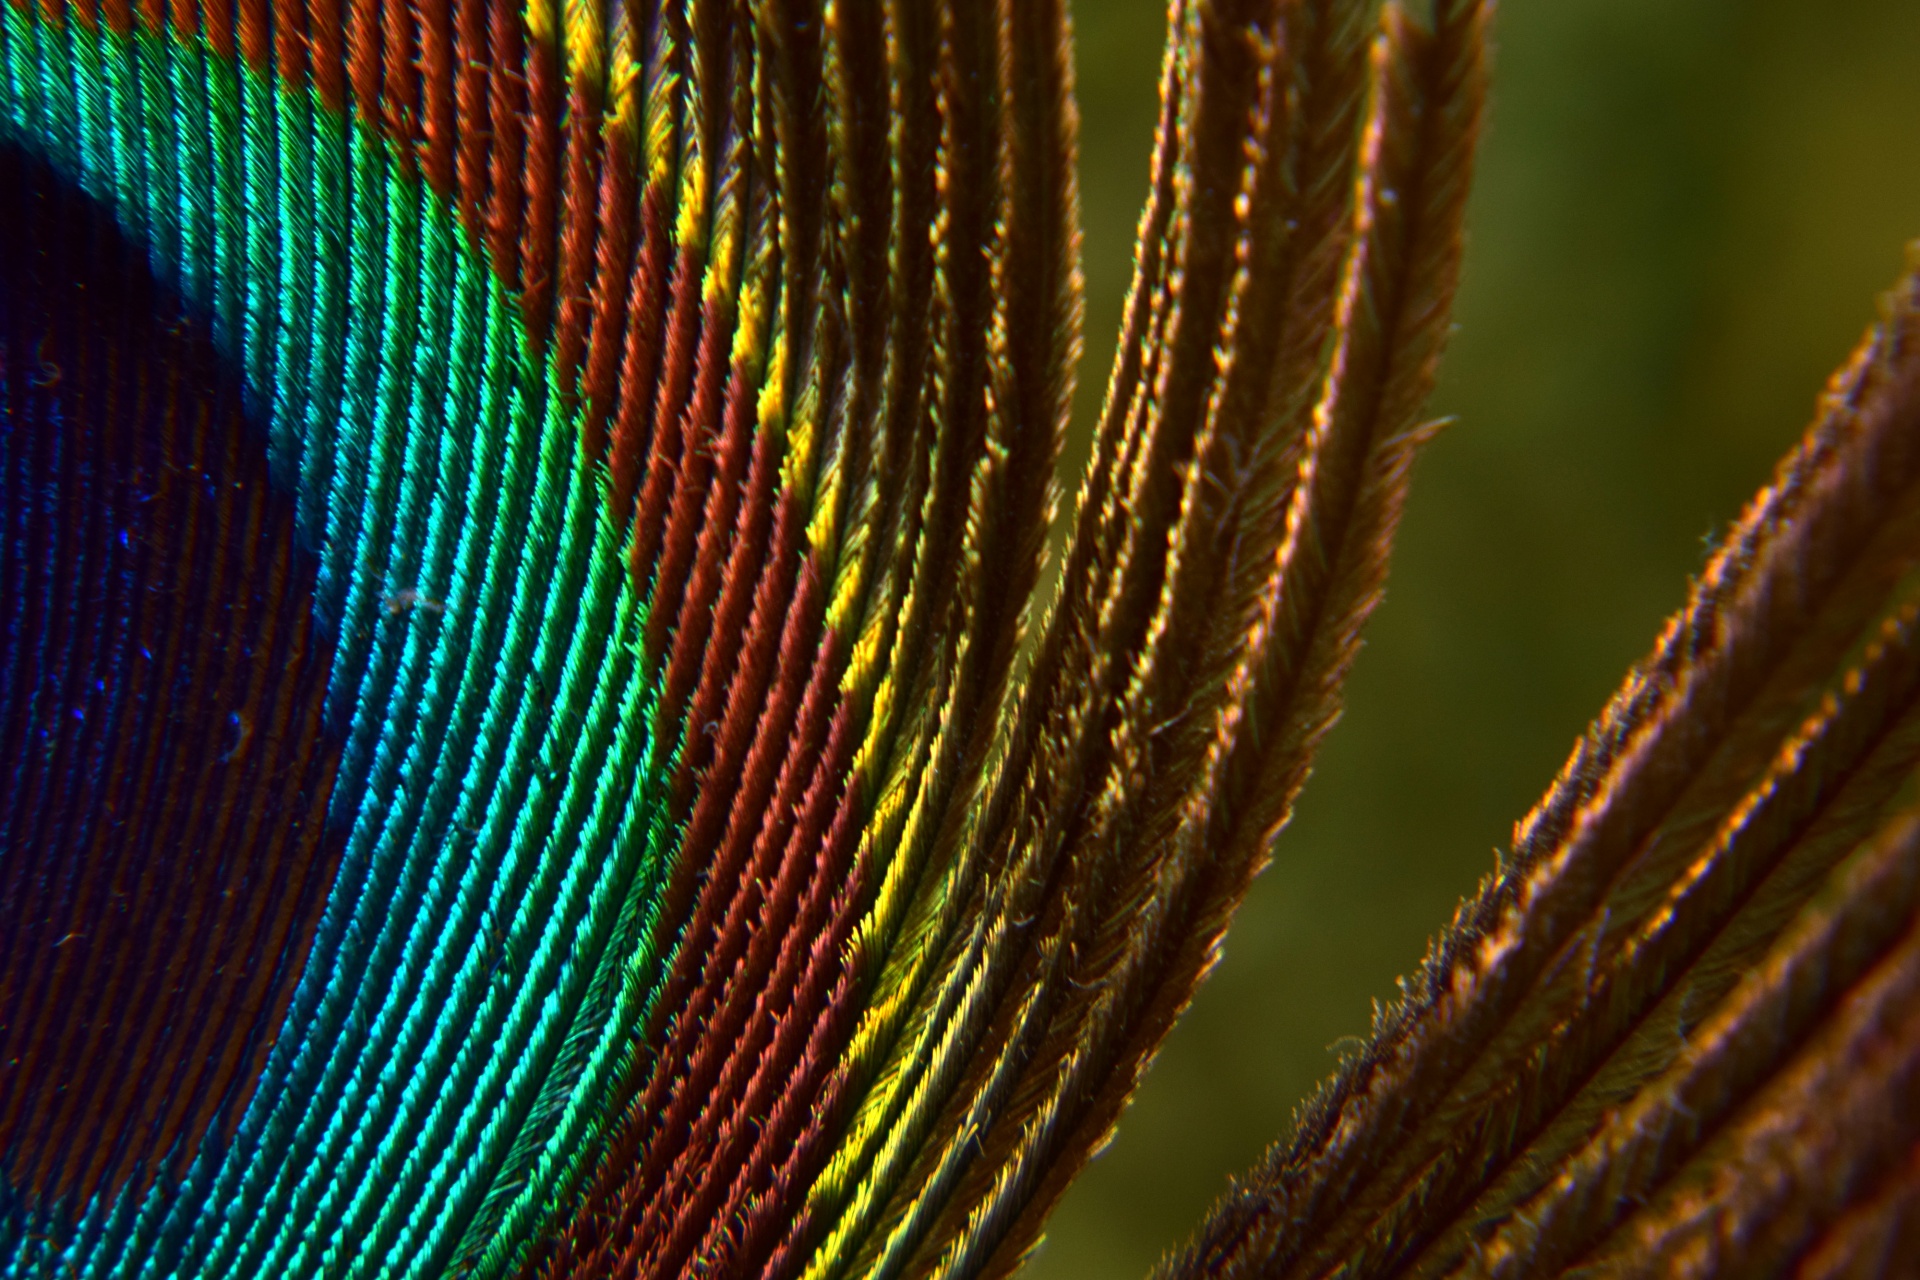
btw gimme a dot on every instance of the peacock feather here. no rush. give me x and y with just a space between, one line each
544 736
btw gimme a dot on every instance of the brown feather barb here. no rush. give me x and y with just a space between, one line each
1244 488
1678 1034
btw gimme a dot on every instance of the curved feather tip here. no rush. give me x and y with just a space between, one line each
534 740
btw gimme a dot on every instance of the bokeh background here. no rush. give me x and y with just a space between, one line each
1685 211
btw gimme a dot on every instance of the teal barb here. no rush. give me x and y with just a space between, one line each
534 741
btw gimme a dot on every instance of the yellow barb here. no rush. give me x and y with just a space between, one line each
586 31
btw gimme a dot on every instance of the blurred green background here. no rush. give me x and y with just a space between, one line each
1685 210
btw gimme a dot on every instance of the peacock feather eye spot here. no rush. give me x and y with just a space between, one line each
545 729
